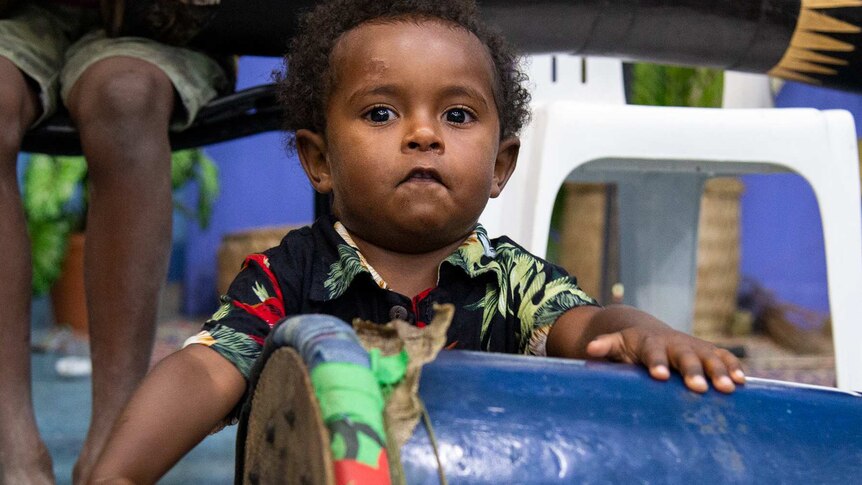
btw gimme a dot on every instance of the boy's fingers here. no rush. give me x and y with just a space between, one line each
688 364
599 347
717 371
653 354
659 371
609 346
734 367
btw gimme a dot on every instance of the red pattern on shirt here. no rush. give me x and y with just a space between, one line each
270 310
415 302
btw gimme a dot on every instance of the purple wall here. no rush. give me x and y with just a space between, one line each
261 185
782 239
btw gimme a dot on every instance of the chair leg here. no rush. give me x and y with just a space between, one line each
842 238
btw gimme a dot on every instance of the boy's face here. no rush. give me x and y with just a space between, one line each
412 150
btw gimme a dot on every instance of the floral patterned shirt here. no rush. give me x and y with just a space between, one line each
505 299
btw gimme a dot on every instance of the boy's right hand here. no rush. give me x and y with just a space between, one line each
625 334
662 349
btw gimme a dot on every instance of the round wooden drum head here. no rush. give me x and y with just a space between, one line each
286 441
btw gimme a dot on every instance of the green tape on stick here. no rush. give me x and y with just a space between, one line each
352 407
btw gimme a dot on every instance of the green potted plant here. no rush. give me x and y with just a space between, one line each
659 85
55 204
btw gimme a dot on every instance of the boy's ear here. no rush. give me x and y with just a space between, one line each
507 158
311 148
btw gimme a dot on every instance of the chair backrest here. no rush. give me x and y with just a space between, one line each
553 77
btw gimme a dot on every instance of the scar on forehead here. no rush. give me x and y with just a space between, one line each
376 66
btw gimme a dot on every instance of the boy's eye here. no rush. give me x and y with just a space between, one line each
458 116
380 114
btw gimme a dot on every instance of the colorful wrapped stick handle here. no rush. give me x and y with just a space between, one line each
348 392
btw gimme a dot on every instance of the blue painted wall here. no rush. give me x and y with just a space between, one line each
261 185
782 239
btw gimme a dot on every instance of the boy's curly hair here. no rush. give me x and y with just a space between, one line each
305 83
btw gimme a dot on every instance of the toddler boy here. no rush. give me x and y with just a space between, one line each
406 113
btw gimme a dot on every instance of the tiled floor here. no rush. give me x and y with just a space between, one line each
63 412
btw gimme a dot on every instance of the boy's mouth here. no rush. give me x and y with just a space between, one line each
423 175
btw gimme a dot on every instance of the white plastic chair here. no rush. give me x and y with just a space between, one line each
746 90
660 158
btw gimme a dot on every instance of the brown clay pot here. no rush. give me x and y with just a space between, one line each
68 298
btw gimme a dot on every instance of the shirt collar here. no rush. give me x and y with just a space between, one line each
476 255
344 262
349 257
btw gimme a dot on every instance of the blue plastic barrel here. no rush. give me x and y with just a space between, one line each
502 419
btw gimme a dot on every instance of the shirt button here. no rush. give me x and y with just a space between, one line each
398 312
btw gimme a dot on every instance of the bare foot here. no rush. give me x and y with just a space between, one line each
31 467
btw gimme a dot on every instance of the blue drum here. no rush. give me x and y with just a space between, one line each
503 419
512 419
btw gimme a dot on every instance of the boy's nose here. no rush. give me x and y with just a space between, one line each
424 138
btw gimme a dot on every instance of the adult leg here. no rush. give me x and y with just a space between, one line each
122 108
23 456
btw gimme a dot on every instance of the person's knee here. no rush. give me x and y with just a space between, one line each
12 126
121 97
14 118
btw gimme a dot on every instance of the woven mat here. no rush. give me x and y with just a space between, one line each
766 359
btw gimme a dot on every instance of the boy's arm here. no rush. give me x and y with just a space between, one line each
625 334
180 401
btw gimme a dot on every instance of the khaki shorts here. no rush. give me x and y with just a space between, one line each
54 45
